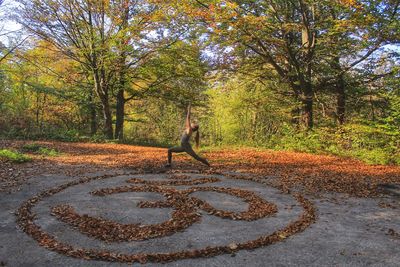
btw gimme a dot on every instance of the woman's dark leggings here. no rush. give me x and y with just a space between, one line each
185 147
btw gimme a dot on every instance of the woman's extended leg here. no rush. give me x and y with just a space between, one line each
190 151
175 149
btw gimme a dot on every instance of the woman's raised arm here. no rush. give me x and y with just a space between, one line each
187 123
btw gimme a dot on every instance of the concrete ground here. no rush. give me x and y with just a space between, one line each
348 231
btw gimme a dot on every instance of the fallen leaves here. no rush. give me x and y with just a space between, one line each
179 199
233 246
175 182
293 171
386 205
183 216
257 209
393 233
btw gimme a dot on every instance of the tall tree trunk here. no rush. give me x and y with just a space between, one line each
120 113
308 42
308 102
296 110
108 129
305 113
37 110
120 108
295 113
93 120
341 100
102 92
92 112
340 90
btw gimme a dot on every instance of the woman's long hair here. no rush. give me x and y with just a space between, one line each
197 138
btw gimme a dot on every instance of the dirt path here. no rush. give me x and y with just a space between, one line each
98 204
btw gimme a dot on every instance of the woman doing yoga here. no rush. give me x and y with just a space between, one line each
185 144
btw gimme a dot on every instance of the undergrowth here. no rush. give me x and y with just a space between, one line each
14 156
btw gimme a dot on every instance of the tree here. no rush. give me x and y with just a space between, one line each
297 37
359 33
160 90
143 30
109 38
80 30
43 92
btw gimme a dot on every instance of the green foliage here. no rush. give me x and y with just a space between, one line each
40 149
72 135
242 110
31 147
48 152
14 156
97 138
373 156
367 143
155 122
251 71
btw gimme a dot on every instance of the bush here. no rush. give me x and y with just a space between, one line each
97 138
14 156
41 150
48 152
32 147
369 143
374 156
65 136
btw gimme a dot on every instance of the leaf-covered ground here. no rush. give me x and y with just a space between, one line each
289 171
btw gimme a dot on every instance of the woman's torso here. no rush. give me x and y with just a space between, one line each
185 137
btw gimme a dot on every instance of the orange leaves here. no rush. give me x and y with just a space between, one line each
309 172
350 3
231 5
184 213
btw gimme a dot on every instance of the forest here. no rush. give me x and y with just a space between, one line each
300 75
200 133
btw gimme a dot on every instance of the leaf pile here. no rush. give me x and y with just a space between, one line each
292 171
183 216
175 182
258 208
393 233
179 200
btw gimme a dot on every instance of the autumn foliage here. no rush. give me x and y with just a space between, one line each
288 171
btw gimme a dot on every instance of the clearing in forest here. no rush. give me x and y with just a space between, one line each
102 204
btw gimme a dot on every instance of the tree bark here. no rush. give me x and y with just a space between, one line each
92 113
102 92
340 90
308 42
120 114
341 100
308 102
296 110
295 113
120 108
108 129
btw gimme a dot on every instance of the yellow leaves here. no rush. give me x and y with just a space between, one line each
231 5
350 3
369 19
158 15
233 246
282 236
288 27
341 25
